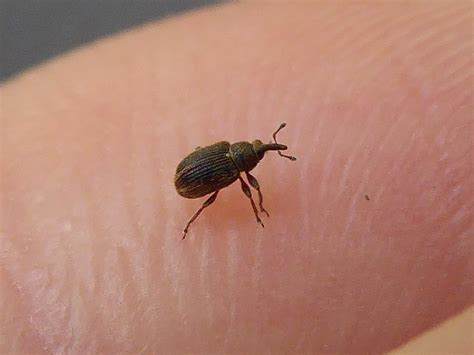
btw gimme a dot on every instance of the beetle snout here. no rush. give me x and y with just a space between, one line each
274 146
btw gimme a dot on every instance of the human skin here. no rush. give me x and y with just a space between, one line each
378 101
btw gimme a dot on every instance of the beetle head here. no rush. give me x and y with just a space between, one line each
260 148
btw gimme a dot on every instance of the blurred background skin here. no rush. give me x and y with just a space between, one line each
378 100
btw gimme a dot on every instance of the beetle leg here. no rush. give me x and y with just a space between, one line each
206 203
248 193
254 183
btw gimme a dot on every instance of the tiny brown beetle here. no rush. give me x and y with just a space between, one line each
210 169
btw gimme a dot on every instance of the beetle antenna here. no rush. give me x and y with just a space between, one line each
283 125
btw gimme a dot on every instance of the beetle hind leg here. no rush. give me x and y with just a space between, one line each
254 183
206 203
248 193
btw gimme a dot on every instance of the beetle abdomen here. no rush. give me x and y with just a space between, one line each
205 170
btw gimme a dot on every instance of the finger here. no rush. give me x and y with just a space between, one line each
92 222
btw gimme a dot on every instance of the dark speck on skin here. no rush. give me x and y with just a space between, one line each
366 197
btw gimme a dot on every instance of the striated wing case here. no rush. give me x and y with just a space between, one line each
205 170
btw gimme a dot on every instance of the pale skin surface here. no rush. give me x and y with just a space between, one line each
378 101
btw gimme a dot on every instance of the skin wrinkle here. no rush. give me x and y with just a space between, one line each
94 281
284 67
340 29
312 149
460 81
34 289
431 21
279 67
80 286
449 55
328 166
388 44
31 283
363 136
114 196
382 146
232 269
171 268
325 169
203 324
99 275
168 258
429 52
461 214
412 50
14 297
9 274
441 139
256 277
132 205
73 312
204 284
349 41
352 213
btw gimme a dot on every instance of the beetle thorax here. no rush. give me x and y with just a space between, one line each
243 155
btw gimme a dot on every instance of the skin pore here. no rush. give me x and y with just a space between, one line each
378 102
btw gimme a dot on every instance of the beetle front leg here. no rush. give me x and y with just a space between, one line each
206 203
248 193
254 183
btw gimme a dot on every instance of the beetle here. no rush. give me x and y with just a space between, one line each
209 169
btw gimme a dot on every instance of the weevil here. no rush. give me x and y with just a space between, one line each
209 169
